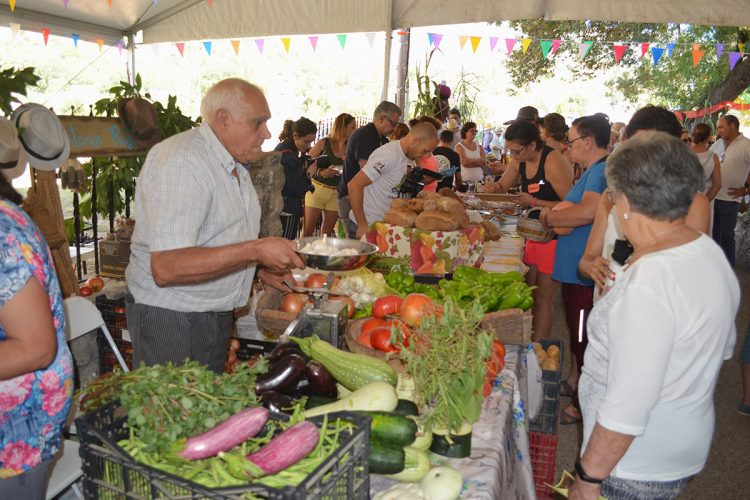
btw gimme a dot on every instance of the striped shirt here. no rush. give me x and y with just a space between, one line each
188 197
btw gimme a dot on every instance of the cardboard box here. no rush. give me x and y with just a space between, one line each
431 252
114 256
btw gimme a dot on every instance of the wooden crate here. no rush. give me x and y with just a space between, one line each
512 326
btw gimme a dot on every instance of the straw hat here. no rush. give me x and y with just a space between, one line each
43 136
12 155
452 125
139 117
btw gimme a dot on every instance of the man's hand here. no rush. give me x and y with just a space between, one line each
597 269
491 187
361 230
543 217
275 279
278 254
737 192
581 490
525 200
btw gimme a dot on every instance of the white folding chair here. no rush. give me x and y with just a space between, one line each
81 318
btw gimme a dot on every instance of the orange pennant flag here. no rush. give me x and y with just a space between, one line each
100 43
236 47
110 3
697 54
286 41
525 44
475 43
45 34
462 40
12 5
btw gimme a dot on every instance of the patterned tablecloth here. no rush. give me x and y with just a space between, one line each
499 466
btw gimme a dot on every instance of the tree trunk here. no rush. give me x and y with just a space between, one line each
734 85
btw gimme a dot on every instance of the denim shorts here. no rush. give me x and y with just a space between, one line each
614 488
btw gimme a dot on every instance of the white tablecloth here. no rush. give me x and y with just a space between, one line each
499 466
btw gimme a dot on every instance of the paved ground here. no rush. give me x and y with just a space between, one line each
727 473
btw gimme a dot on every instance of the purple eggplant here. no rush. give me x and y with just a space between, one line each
287 448
283 375
282 350
238 428
320 379
275 401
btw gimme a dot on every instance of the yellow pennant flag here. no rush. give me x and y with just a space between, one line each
236 47
462 40
12 5
525 44
100 42
741 46
286 41
475 43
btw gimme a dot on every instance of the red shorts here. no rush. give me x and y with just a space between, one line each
541 255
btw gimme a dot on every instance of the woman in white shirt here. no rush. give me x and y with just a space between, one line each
658 338
471 154
708 159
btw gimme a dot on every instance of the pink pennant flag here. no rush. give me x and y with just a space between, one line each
462 40
120 46
260 43
236 47
436 39
65 3
493 42
181 47
556 45
313 42
644 48
509 44
475 43
619 51
45 34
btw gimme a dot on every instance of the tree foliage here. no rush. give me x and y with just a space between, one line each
14 82
673 82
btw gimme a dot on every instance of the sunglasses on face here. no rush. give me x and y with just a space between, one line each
571 141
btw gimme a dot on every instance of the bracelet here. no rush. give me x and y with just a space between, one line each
585 477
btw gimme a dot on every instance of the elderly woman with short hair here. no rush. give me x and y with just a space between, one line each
658 338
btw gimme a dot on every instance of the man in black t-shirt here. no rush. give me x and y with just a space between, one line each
444 150
360 146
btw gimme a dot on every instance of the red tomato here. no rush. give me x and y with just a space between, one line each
380 338
401 328
364 338
372 323
414 307
86 291
95 283
386 305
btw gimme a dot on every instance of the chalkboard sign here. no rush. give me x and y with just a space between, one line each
99 136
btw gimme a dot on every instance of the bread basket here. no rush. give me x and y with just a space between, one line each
531 228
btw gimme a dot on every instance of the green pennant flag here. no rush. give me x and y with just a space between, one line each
546 46
342 40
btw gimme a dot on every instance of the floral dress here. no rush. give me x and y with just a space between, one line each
33 406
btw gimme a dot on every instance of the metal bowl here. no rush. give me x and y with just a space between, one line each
344 263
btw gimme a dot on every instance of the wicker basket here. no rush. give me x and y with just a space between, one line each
532 229
267 313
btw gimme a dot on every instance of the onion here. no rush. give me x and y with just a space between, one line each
414 307
293 302
316 280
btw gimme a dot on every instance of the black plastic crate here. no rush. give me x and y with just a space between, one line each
107 360
546 419
113 313
253 347
111 474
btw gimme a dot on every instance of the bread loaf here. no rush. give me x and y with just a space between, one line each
427 195
435 220
451 205
491 230
400 203
416 204
400 217
448 192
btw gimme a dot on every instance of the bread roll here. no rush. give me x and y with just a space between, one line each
400 203
448 192
416 204
451 205
491 229
400 217
435 220
427 195
430 204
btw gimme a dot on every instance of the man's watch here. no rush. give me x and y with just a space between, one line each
585 477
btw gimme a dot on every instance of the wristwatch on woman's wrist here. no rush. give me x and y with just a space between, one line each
585 477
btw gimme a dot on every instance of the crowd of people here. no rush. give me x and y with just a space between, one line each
649 298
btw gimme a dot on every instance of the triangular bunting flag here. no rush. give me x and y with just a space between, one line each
75 39
181 47
286 41
210 2
313 42
493 43
431 38
734 58
475 43
697 56
371 39
100 43
462 40
656 53
110 3
619 51
510 43
546 45
45 34
342 40
719 50
670 49
12 5
14 29
120 46
207 46
436 39
555 45
583 49
65 3
644 48
236 47
525 44
260 43
741 46
155 48
155 2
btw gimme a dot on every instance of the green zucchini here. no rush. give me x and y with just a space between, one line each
351 370
416 465
386 458
406 408
392 428
423 440
375 396
452 445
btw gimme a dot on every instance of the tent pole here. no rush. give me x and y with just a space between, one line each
403 69
131 49
388 41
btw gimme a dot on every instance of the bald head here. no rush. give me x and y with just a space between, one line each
421 140
229 95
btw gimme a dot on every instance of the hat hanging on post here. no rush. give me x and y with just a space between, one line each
139 117
12 156
42 136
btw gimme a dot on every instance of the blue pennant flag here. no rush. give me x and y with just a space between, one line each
670 48
656 52
207 46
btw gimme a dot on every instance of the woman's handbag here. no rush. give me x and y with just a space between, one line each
530 227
